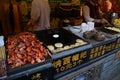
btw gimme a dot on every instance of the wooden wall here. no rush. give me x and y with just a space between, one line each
4 17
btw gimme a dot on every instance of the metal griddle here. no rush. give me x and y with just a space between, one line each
65 37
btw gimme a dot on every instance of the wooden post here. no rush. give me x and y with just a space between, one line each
16 18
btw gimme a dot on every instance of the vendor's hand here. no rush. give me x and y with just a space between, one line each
104 21
101 21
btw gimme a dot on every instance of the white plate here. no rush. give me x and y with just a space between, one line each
75 29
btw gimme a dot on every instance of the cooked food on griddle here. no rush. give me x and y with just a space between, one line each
113 29
80 41
58 45
50 47
66 47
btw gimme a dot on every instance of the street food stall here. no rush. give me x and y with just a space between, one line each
65 51
70 52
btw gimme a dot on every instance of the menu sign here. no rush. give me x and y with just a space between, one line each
69 62
101 50
76 59
59 1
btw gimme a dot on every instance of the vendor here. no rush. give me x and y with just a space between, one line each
92 13
75 13
40 15
106 6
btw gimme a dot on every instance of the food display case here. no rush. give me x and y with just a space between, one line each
72 47
96 51
112 31
24 58
68 52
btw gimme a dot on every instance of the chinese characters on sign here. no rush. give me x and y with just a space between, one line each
36 76
101 50
71 61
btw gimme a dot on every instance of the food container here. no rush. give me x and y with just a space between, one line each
2 58
24 52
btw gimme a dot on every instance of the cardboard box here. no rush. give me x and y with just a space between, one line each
2 53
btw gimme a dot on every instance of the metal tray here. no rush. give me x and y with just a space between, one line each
108 31
27 66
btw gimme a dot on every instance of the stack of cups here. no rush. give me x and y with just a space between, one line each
84 27
87 27
91 25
